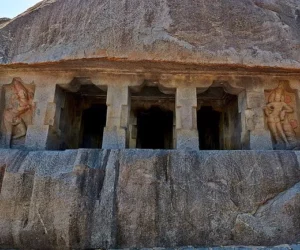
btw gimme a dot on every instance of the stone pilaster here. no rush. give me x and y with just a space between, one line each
295 85
186 118
43 118
132 130
118 109
4 137
253 121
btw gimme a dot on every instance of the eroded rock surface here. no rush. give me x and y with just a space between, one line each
88 199
248 32
4 20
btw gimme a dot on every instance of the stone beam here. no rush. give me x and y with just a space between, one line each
182 80
131 80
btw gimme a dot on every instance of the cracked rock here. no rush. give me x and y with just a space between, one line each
91 199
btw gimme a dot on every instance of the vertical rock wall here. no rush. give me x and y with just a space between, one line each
88 199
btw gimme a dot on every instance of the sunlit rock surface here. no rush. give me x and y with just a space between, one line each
248 32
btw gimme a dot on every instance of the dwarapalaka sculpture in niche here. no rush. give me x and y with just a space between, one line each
278 111
18 109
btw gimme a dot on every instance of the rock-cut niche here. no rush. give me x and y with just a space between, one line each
18 110
281 116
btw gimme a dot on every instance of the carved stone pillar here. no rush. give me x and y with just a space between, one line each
255 136
43 118
186 118
118 109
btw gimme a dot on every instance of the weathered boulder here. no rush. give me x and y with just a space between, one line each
247 32
89 199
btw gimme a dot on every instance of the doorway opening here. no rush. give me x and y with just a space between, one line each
81 115
218 120
93 123
208 122
152 117
154 128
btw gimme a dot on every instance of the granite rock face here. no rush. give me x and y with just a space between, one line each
4 20
247 32
89 199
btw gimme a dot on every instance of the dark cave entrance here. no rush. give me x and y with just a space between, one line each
208 122
93 123
218 120
154 129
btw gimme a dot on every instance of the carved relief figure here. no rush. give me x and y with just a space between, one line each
277 112
18 108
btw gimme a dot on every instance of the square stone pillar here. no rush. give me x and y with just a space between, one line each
117 122
186 118
255 136
43 118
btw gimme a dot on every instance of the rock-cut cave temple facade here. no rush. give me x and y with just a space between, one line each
212 86
46 110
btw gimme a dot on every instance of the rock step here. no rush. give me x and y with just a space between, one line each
280 247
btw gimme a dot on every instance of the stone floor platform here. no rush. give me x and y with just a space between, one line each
280 247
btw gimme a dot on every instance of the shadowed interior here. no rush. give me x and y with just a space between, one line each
208 122
93 123
155 129
218 120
